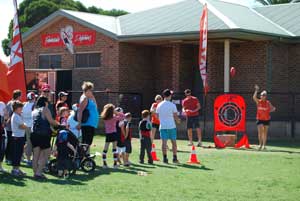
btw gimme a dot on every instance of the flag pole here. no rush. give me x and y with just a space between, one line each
21 44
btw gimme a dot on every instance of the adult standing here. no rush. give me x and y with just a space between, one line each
2 134
46 92
8 153
87 111
27 117
263 117
167 114
41 136
191 107
154 119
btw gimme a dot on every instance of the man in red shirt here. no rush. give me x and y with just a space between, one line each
191 107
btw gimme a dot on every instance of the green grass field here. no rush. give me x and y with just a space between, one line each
226 174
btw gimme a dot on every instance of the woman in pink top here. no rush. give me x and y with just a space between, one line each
111 117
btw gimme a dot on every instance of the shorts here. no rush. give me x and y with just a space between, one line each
121 149
87 134
155 125
41 141
192 122
263 122
111 137
128 146
168 134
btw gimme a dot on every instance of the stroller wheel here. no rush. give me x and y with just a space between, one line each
52 166
88 165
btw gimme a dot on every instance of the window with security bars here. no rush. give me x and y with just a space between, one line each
49 61
88 60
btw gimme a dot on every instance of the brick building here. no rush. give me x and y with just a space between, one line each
148 51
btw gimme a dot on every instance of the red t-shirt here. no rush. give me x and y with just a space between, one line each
190 103
154 118
263 110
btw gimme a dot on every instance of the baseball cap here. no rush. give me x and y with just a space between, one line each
167 92
45 87
31 96
62 93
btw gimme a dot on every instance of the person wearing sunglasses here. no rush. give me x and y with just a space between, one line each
263 117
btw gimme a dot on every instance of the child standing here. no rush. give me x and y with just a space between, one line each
128 136
120 138
110 117
145 137
63 158
18 138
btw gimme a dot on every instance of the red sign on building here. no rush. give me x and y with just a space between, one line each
79 38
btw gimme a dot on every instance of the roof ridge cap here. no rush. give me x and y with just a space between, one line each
269 20
219 14
64 10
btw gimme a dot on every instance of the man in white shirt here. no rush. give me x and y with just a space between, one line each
167 114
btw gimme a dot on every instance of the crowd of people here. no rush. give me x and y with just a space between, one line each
27 128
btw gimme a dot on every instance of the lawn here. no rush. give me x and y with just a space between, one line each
226 174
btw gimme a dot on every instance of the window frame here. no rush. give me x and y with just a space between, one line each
88 53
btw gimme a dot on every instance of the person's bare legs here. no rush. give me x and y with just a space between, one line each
199 135
35 159
190 136
265 136
174 147
44 155
153 132
164 149
260 130
106 146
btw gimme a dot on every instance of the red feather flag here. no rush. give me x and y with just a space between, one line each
16 74
203 48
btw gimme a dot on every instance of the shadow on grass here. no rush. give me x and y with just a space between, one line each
198 167
269 150
6 178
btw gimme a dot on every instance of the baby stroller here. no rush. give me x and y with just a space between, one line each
81 160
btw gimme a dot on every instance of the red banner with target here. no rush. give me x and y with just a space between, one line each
230 115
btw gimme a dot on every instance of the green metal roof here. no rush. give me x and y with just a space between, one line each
285 15
182 19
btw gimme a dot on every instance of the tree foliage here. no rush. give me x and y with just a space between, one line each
32 12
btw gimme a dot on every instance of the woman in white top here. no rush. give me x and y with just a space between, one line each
27 117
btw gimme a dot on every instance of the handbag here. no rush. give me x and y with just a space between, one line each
85 114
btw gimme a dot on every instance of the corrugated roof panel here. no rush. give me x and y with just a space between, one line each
246 18
180 17
285 15
107 23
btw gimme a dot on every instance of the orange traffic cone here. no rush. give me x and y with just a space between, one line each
193 157
153 153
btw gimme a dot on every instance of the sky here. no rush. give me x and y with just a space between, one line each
7 10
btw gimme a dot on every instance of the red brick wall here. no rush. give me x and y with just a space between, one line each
104 77
137 70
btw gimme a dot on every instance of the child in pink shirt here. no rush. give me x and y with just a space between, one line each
110 117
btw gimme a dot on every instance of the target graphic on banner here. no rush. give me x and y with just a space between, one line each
230 113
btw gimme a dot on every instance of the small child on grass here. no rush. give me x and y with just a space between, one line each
145 133
18 138
128 136
110 117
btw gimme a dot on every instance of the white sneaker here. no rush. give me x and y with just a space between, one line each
105 166
116 166
3 170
